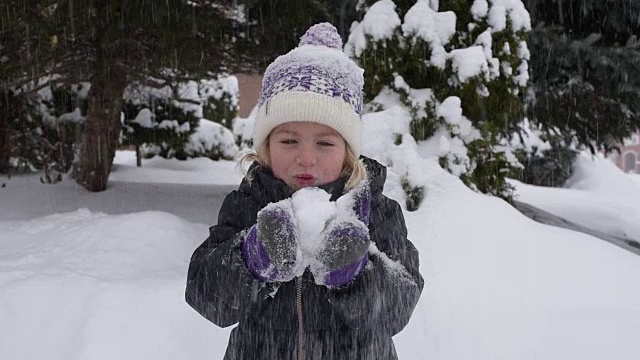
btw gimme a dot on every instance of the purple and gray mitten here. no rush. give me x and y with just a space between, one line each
343 252
271 250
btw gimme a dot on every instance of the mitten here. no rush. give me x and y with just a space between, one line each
343 251
271 250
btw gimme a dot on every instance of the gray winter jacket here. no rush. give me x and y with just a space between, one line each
299 318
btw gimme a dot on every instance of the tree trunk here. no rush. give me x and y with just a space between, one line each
102 125
138 156
6 131
5 144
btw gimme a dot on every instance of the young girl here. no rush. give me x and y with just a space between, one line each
308 256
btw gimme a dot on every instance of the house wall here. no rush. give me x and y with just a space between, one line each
629 158
249 85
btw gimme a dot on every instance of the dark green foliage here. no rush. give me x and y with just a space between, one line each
492 101
18 137
142 37
42 133
415 194
422 128
491 170
502 109
585 87
615 20
379 61
112 44
553 167
221 109
398 139
275 27
168 131
115 43
61 132
214 153
424 121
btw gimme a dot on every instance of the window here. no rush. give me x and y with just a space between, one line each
630 162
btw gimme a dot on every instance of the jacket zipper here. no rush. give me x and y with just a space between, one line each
300 323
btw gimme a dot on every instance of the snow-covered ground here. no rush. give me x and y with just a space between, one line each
101 278
192 190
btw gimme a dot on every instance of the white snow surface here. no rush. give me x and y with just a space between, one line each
469 62
145 118
434 27
380 22
530 141
501 9
201 171
211 135
87 285
479 9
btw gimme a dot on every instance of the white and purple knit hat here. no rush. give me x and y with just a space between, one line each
314 82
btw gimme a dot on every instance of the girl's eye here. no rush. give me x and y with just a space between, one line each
288 141
325 143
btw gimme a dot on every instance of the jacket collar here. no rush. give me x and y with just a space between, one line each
265 185
377 174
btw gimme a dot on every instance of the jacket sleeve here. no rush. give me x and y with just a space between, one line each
382 298
219 286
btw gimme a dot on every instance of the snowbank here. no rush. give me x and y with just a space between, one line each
598 195
500 286
86 285
160 170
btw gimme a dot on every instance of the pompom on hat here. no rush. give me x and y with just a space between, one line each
314 82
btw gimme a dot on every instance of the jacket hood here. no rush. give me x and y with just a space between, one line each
377 174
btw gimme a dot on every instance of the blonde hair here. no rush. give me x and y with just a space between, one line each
353 168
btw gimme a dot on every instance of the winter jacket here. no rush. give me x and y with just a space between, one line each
355 321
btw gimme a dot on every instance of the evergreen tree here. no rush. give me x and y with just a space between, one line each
585 83
423 54
115 43
111 44
271 28
40 129
165 120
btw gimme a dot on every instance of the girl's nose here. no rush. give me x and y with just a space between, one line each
306 156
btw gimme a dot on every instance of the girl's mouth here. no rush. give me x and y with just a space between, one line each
305 179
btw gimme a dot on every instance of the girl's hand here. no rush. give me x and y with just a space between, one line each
271 249
343 251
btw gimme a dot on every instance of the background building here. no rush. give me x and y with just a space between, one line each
629 157
249 85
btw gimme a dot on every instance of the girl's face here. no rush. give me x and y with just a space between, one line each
306 154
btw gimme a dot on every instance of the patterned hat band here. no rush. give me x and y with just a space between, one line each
309 77
309 106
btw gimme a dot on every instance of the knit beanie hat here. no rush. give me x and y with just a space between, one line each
314 82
